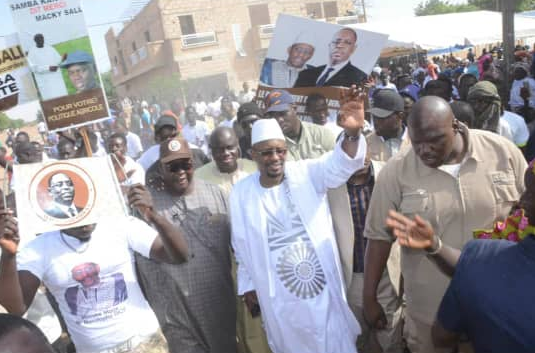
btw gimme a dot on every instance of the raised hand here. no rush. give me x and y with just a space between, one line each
9 232
351 114
416 234
139 197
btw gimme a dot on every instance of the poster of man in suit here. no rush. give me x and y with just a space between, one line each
342 56
61 190
56 195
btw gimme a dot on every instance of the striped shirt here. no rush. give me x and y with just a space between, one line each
359 198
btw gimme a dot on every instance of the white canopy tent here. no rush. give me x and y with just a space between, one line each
449 30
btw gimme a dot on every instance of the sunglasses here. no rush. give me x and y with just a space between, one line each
281 152
175 167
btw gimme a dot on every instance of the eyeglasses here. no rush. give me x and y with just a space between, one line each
345 43
175 167
281 152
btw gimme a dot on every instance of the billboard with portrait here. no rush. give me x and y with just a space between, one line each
60 55
64 194
309 53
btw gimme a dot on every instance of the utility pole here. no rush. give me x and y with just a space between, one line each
507 8
364 11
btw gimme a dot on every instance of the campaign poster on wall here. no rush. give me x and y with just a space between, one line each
16 83
54 37
64 194
310 53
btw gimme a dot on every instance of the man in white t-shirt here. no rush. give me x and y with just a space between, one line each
91 274
133 142
195 131
41 128
128 171
519 128
228 113
522 80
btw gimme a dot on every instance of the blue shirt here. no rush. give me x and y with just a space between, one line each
491 297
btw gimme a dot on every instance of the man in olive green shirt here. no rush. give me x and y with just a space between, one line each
224 171
303 140
227 168
455 178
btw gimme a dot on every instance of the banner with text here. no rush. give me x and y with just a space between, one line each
16 83
54 37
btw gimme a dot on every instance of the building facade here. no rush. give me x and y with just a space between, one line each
211 46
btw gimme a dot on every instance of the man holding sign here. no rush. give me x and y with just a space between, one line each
96 259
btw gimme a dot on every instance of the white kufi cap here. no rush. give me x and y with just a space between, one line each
266 129
305 37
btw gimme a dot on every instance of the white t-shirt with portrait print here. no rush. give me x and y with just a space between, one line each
95 282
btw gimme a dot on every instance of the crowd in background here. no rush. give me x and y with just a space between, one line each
425 155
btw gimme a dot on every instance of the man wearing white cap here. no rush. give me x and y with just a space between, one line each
283 74
288 263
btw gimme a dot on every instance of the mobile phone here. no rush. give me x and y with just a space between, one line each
255 310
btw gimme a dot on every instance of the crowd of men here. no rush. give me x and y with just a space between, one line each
284 230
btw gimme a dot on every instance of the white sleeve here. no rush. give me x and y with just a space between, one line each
334 168
31 258
138 146
140 235
522 134
138 176
40 69
245 283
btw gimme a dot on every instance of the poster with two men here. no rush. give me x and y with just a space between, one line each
315 58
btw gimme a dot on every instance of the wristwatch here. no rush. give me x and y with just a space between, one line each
352 138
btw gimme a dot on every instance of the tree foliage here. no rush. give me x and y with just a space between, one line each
520 5
437 7
7 123
165 88
109 88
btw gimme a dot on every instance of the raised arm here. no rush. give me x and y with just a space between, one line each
334 168
351 118
170 246
17 289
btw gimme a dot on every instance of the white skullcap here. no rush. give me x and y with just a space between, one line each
305 37
266 129
377 69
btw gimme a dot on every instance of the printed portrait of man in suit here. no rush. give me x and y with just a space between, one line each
339 71
61 189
